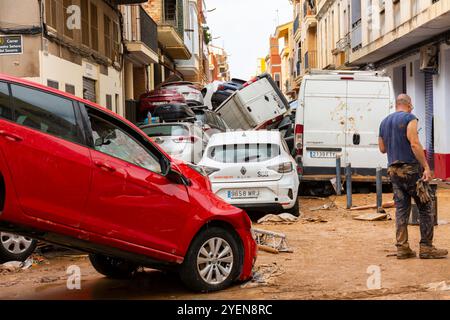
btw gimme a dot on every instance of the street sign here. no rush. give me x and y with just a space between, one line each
10 45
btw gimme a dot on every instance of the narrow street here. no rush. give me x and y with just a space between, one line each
330 261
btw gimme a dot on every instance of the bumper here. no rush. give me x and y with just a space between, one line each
280 194
250 254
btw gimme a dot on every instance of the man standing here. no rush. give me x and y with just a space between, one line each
407 169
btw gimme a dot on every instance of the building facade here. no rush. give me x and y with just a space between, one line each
305 47
284 34
333 34
273 60
74 46
218 64
140 35
410 40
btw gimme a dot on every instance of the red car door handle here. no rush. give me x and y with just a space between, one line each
10 136
104 166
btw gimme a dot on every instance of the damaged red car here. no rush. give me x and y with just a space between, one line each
77 175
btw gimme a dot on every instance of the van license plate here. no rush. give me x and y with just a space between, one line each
322 154
242 194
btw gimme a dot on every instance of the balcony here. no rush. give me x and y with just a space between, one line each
310 60
171 32
343 44
309 14
141 40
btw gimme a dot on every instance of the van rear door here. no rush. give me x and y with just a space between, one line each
324 123
368 103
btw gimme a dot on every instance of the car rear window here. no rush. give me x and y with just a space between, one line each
244 153
166 131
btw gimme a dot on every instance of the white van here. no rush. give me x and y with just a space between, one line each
339 113
255 106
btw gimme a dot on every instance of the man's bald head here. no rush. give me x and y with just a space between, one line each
404 103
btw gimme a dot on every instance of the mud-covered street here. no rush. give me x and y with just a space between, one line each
332 253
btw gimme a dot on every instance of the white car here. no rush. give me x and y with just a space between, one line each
182 140
252 170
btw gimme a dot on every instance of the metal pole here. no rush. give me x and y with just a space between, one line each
338 175
379 190
348 177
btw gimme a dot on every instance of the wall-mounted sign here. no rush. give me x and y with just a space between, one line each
10 45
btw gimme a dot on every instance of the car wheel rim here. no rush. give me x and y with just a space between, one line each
215 261
14 243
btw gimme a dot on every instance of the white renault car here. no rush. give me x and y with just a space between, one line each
253 170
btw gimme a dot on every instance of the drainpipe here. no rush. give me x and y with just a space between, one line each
41 52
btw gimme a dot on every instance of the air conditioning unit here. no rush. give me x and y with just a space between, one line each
429 59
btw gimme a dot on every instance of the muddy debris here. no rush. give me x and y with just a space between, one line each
264 275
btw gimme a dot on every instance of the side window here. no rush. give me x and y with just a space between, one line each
45 112
113 141
5 107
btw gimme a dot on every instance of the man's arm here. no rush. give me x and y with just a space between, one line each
416 146
381 145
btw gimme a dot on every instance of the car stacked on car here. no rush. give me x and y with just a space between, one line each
70 169
74 173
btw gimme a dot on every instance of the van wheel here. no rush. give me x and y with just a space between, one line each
15 248
295 210
112 267
212 262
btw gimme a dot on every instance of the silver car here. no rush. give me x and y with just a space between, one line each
181 140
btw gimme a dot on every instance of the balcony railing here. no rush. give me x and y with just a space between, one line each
310 59
149 30
343 43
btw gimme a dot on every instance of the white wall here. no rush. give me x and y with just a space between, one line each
66 72
442 103
416 89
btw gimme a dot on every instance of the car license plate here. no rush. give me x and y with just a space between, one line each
159 103
322 154
242 194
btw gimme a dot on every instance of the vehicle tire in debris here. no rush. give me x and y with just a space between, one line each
213 260
111 267
295 210
15 248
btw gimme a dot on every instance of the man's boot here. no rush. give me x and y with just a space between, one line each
405 253
431 252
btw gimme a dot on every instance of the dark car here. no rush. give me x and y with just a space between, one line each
225 90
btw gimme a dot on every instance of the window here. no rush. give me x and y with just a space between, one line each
5 103
85 22
170 11
50 13
67 32
109 102
166 131
116 42
70 88
113 141
53 84
244 153
107 36
94 27
45 112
